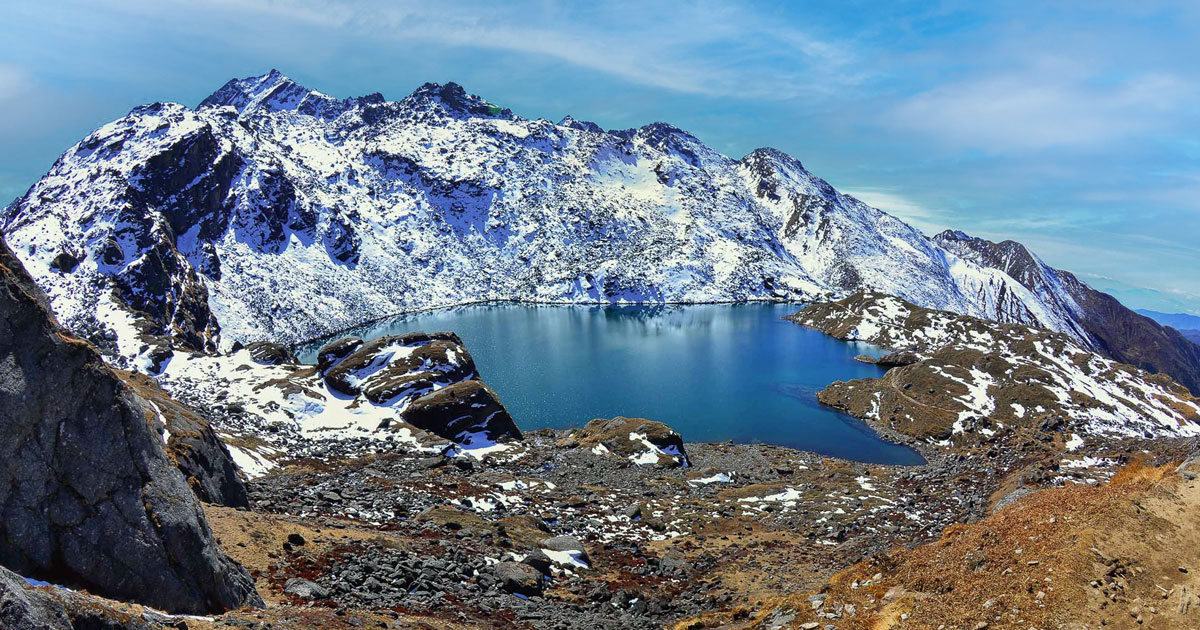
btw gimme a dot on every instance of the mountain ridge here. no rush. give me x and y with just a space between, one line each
272 211
1102 321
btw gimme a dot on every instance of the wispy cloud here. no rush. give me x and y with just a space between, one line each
1048 104
914 212
713 48
15 81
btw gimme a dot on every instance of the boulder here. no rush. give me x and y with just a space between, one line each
518 578
538 560
640 440
305 589
567 544
468 412
269 353
88 495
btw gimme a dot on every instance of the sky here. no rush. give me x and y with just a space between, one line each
1069 126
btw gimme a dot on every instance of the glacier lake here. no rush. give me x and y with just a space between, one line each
713 372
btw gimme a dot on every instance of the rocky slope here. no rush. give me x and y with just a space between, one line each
1098 319
969 380
415 390
88 496
1117 555
177 223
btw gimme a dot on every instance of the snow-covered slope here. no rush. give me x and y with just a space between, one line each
1097 319
275 212
964 375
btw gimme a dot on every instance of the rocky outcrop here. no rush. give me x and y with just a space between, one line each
268 353
26 607
468 412
418 389
395 366
88 496
1103 322
191 444
429 378
333 352
640 440
970 380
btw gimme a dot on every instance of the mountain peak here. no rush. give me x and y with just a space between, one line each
583 125
276 92
273 90
954 235
453 99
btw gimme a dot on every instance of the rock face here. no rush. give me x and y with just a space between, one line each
1103 323
441 198
192 445
976 379
640 440
24 607
89 497
467 412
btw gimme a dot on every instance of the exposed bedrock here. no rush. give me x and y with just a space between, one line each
88 496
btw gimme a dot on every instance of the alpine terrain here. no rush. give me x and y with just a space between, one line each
272 211
174 457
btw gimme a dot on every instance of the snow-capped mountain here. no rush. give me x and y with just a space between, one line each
272 211
1097 319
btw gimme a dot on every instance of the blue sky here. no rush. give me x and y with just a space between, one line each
1072 127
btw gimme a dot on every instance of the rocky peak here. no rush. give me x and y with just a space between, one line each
772 155
672 140
765 162
274 88
275 92
1010 257
450 98
582 125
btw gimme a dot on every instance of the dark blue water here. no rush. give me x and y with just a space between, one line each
712 372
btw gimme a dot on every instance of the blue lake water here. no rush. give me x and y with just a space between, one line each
713 372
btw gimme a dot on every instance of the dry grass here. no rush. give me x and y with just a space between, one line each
1072 557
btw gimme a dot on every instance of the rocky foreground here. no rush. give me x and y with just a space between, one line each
386 486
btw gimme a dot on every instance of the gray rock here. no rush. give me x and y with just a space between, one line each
193 445
519 579
566 543
24 607
305 589
86 488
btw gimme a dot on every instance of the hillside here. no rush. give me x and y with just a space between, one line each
275 212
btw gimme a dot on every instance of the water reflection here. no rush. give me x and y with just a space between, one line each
713 372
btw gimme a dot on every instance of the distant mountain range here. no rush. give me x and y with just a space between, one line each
1181 321
272 211
1188 325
